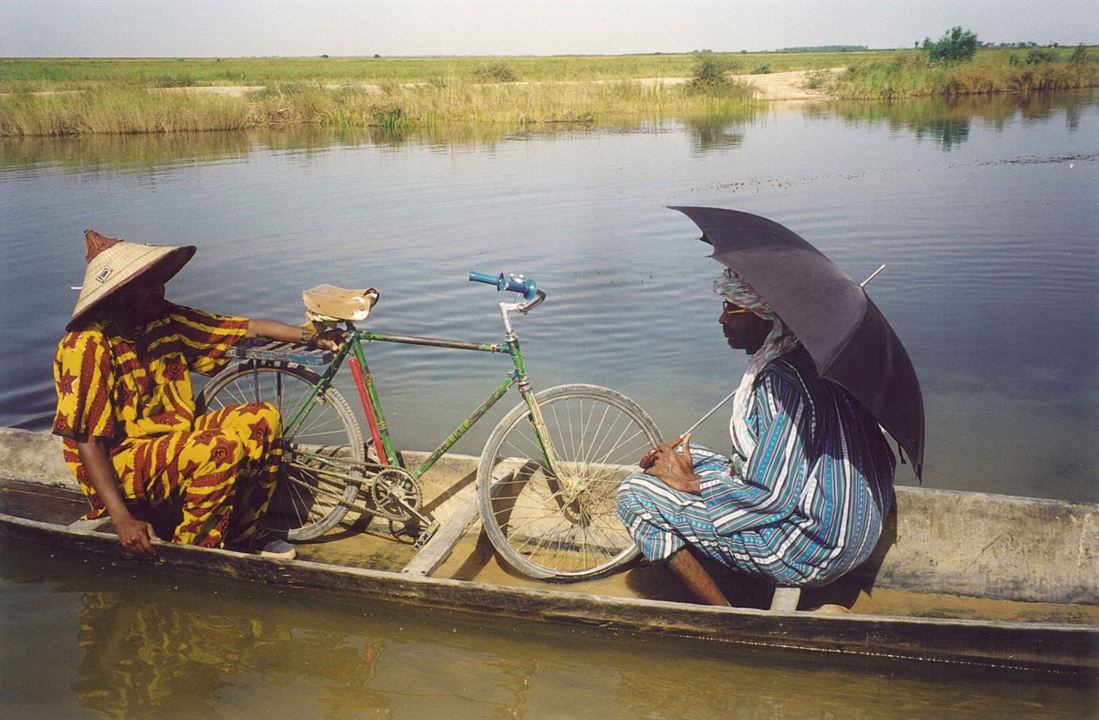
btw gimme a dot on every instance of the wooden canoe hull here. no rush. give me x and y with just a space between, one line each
1026 572
1057 648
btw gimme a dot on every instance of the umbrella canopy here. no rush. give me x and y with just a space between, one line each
848 338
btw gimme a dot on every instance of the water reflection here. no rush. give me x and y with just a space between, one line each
151 649
153 151
182 653
716 132
947 121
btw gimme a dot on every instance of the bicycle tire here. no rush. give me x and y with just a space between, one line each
564 531
306 504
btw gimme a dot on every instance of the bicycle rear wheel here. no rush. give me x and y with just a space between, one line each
322 455
560 523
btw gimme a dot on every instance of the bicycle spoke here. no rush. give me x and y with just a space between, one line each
563 522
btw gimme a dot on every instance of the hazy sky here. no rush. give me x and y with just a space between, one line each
519 27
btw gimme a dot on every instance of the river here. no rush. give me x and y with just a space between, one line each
984 212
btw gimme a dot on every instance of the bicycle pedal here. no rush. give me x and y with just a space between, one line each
427 534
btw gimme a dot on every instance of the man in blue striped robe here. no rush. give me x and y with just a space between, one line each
803 497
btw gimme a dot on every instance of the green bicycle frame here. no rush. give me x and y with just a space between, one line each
352 350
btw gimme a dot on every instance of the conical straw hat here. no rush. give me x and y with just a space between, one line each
112 264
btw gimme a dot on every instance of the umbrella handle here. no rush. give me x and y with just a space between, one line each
645 465
706 417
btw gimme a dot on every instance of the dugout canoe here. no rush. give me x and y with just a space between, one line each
967 578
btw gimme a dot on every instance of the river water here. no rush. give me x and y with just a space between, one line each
984 212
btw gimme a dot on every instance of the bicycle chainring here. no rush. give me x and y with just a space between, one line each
393 491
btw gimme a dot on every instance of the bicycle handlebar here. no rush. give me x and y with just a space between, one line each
515 283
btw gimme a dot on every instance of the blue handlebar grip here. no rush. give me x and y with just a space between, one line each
497 280
527 287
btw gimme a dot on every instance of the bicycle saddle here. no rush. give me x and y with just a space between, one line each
328 302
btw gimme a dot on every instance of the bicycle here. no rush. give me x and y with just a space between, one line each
558 456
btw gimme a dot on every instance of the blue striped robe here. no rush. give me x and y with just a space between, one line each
804 509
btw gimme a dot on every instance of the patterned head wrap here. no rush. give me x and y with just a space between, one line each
778 342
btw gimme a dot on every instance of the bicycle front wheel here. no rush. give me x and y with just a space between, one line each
556 520
322 453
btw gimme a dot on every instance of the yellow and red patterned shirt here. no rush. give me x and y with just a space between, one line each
107 389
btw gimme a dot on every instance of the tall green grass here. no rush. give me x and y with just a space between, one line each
120 110
912 74
56 97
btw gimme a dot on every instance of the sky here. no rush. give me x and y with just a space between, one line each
242 28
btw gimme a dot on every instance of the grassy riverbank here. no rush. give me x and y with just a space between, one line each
19 75
121 110
910 73
48 97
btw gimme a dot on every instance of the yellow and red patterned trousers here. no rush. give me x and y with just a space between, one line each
222 473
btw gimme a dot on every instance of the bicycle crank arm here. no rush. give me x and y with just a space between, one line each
426 534
424 519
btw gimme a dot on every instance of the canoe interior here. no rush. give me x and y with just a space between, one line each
365 543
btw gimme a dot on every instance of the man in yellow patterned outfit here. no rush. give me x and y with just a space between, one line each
126 407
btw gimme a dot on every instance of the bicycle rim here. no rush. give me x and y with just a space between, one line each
562 524
320 454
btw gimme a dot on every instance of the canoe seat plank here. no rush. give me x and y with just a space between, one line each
436 550
84 526
785 599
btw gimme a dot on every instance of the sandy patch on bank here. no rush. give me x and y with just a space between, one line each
773 86
786 85
230 90
782 86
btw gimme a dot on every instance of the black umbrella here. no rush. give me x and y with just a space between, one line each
841 328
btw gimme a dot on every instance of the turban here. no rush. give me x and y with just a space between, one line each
740 293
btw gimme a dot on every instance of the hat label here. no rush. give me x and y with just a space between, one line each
103 274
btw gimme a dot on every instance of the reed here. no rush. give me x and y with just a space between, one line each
120 110
911 74
57 97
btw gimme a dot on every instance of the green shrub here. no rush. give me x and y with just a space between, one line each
1040 56
498 71
170 81
711 73
956 45
817 79
763 69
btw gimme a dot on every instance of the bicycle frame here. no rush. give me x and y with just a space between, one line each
352 352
